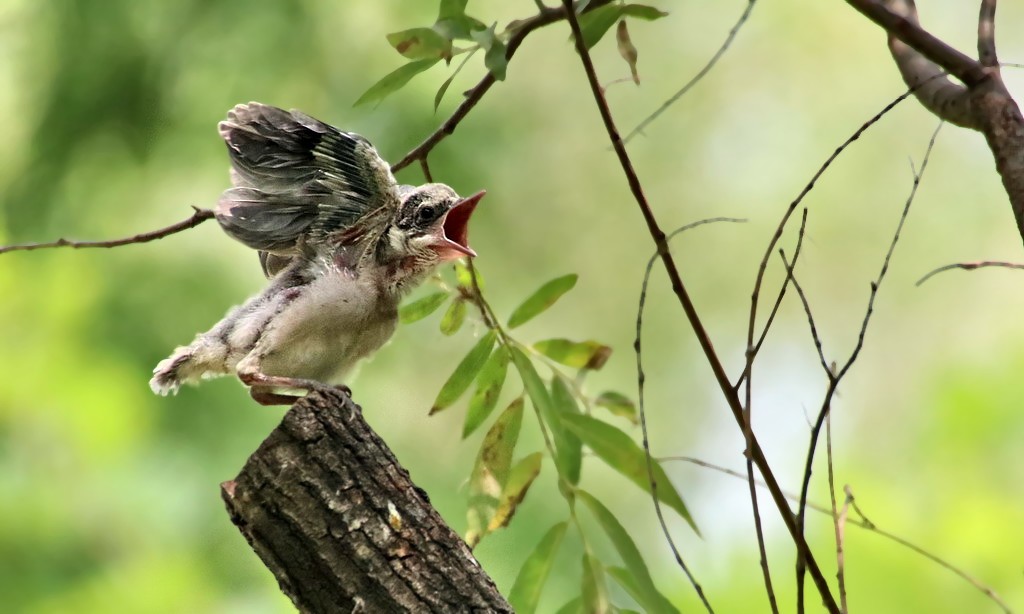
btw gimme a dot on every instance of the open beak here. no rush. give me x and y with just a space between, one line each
454 240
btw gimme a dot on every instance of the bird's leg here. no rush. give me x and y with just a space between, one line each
258 380
264 396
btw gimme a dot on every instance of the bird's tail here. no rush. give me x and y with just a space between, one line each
188 365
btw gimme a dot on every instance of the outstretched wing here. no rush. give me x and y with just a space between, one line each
298 179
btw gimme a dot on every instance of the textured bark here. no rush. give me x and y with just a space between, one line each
338 522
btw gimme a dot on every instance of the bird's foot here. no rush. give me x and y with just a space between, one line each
261 387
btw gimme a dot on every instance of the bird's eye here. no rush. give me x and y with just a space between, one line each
425 214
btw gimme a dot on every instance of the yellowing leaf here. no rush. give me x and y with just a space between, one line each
421 44
625 456
626 49
519 479
491 471
464 374
543 298
576 354
645 591
421 308
525 593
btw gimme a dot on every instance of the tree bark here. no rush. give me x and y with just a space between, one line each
336 519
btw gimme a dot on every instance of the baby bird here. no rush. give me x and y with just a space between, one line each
340 241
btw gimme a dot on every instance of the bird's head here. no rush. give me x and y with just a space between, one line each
430 228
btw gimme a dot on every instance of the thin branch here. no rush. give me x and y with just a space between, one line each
838 518
836 377
696 78
641 377
987 34
807 311
425 166
970 266
658 236
523 28
762 267
861 522
197 218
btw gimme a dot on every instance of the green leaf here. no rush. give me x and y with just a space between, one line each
421 44
464 374
594 587
625 456
421 308
394 81
596 23
465 278
491 471
452 320
525 594
494 59
571 448
460 27
440 95
538 394
640 11
519 479
574 606
619 404
646 594
542 299
575 354
452 8
488 388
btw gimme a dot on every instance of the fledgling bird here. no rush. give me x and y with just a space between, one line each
340 241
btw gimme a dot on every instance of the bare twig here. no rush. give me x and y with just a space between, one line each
641 377
658 236
696 78
861 522
807 311
523 28
836 376
987 34
197 218
425 166
970 266
838 518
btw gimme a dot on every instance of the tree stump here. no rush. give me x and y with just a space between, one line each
336 519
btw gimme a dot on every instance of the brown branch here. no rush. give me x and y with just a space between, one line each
336 519
200 216
838 519
658 236
861 522
987 34
985 105
521 29
970 266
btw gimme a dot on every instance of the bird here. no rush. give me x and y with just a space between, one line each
340 241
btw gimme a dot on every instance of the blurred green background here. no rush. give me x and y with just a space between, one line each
109 495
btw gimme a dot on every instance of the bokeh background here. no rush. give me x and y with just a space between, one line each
109 495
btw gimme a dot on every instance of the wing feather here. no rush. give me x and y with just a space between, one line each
298 179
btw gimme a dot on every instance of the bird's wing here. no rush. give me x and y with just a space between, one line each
298 179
